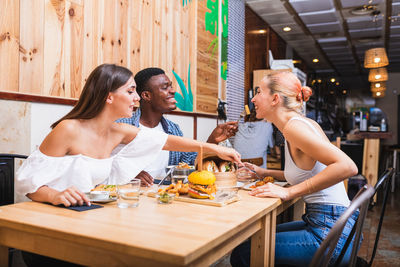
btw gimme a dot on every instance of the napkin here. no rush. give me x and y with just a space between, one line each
83 208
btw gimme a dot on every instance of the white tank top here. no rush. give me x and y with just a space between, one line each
334 195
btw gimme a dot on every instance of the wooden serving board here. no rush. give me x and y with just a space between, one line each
209 202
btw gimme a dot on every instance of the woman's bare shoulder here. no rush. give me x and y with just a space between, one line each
60 139
127 132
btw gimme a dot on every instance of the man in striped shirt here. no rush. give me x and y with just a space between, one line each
157 98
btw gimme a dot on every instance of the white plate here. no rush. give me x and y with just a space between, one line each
247 186
239 184
104 200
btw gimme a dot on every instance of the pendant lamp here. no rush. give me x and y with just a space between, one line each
378 94
378 75
375 58
378 86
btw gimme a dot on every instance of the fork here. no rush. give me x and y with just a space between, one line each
168 173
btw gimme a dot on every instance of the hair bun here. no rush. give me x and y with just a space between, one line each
306 93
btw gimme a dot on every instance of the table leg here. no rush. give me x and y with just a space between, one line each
298 210
263 242
371 161
3 256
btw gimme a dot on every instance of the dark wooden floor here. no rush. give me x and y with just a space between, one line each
388 253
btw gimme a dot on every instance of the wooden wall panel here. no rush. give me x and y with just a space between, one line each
91 39
74 33
207 66
54 47
31 50
49 47
9 44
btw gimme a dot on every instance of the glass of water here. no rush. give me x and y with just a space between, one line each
128 194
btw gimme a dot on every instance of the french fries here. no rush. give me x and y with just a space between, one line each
177 189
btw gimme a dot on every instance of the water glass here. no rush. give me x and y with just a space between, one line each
128 194
180 175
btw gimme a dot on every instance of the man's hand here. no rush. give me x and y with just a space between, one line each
145 178
223 132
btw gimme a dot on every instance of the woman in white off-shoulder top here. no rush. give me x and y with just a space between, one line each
87 147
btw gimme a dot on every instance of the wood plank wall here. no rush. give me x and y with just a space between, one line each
49 47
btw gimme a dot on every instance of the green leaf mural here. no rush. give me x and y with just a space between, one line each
185 2
211 25
184 100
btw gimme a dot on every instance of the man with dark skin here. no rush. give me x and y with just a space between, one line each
157 98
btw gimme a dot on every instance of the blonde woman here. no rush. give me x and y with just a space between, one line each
314 168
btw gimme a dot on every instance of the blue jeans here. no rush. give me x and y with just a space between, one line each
296 242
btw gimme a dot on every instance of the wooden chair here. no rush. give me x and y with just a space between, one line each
325 251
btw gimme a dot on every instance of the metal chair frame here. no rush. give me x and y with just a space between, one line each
384 181
325 251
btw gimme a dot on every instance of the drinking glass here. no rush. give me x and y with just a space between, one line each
128 194
180 175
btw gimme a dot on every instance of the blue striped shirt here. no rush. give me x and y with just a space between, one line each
170 128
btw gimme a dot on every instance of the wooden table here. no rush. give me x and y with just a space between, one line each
179 234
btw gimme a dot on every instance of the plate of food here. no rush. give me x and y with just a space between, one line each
100 196
267 179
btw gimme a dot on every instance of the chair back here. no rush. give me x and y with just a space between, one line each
7 177
325 251
383 182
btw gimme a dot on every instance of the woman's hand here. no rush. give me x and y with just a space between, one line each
227 153
271 190
251 169
70 197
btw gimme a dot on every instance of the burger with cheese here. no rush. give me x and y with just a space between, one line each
201 184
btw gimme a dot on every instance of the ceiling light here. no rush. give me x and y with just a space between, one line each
319 80
337 83
262 31
344 92
315 60
380 86
378 94
333 80
363 10
375 58
378 75
296 61
287 29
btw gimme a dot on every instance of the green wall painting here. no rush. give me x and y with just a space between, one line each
184 100
185 2
211 25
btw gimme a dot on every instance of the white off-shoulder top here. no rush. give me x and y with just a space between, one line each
83 172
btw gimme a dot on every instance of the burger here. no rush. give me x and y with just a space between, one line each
226 166
201 184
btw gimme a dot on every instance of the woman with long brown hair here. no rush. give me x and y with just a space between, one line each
87 147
